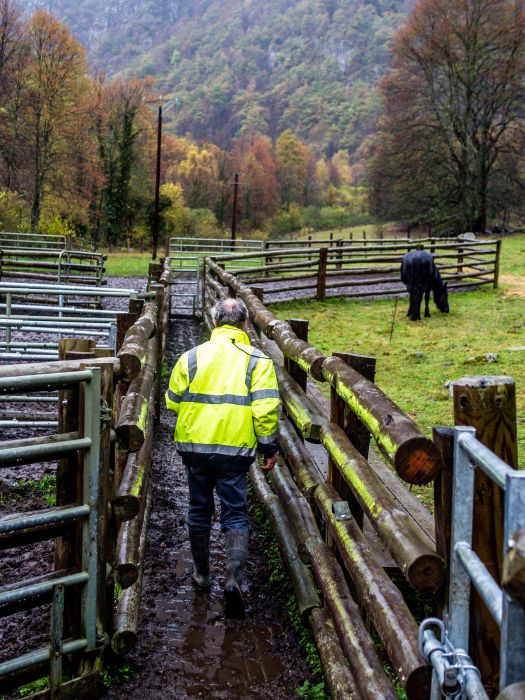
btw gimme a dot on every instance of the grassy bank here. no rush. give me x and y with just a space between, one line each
484 333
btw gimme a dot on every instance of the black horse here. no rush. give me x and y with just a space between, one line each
421 276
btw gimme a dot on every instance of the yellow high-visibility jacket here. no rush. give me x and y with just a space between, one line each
226 396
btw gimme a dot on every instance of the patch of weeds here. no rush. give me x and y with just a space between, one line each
114 674
33 687
46 487
306 639
311 692
279 577
117 592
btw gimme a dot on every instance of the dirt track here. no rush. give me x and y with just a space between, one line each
187 648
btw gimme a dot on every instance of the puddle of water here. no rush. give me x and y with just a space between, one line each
209 651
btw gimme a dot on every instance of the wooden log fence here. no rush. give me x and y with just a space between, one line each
418 545
411 546
130 389
343 267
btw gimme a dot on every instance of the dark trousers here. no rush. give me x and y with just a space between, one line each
231 487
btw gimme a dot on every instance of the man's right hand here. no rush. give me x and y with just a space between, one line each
269 463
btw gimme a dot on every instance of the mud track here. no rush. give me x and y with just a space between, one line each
187 648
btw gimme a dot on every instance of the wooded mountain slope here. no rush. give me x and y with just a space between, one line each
238 66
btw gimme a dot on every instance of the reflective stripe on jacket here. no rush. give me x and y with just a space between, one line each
226 396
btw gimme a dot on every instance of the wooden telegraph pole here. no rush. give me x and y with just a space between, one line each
234 211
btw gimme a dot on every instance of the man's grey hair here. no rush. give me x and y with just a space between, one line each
230 312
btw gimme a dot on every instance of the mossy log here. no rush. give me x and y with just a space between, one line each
297 456
126 504
302 353
127 555
300 576
126 619
415 458
299 407
132 353
355 640
513 580
412 550
381 599
339 679
299 511
132 421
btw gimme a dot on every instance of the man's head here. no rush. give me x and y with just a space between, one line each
230 312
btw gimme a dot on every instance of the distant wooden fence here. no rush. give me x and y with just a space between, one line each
114 483
317 518
360 268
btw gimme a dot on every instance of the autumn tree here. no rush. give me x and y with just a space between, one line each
198 175
14 55
260 192
56 68
117 134
292 159
454 107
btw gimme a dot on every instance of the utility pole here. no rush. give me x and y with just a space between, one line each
234 212
155 236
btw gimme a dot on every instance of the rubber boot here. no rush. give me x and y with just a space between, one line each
200 550
236 554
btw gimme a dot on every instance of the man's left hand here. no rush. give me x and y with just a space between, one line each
269 463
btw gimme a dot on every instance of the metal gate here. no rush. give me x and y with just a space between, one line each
186 255
26 528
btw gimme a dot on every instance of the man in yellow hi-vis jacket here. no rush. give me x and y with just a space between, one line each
226 396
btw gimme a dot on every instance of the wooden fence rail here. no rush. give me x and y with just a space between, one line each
348 268
310 498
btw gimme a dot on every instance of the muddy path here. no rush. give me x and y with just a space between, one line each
187 648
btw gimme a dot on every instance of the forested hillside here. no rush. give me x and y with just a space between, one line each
243 66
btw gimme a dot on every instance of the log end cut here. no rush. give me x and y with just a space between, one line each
130 436
123 641
127 574
417 686
426 573
418 461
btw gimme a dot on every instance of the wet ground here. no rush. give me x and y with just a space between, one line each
187 647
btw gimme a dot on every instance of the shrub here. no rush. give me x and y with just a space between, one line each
14 212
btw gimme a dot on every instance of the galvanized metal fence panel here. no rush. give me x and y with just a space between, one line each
466 569
88 513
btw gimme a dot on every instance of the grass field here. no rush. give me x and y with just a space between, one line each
132 264
414 365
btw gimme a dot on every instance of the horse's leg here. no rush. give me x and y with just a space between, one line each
416 311
427 300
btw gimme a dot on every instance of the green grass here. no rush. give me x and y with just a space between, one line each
46 487
413 367
132 264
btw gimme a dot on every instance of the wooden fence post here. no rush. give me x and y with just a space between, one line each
321 274
488 404
339 255
496 264
300 328
341 415
444 439
460 260
69 482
